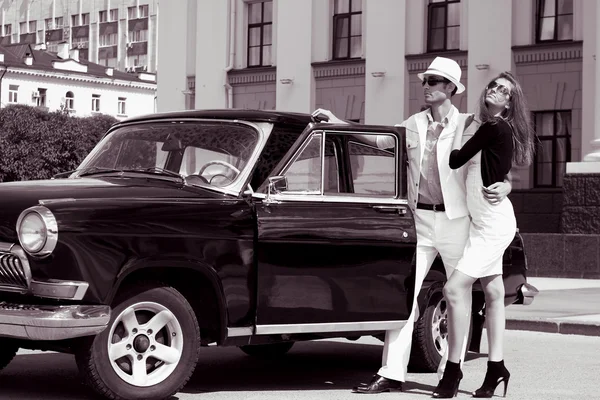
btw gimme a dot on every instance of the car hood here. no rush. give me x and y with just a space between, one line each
17 196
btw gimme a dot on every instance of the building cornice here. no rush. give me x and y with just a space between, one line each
548 52
420 62
339 68
252 75
82 78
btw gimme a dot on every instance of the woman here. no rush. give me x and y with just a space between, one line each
504 137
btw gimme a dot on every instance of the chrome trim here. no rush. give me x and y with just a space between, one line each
285 196
80 288
51 322
329 327
16 250
51 229
236 332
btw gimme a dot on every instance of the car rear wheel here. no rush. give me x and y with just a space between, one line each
149 349
430 336
272 350
8 350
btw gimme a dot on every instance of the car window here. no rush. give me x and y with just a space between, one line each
373 169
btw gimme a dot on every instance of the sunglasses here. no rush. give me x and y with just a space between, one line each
503 90
432 81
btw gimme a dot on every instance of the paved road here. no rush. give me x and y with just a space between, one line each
543 366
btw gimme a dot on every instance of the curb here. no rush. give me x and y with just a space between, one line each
551 326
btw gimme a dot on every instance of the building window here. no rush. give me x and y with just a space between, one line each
114 14
132 12
444 25
69 101
40 97
24 27
121 110
108 40
138 36
80 19
554 20
13 91
7 30
144 11
260 33
85 19
137 60
103 16
347 29
96 103
553 129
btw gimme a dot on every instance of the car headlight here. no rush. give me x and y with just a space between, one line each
38 231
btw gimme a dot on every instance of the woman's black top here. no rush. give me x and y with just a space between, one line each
494 139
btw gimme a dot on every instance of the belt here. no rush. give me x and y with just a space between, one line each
432 207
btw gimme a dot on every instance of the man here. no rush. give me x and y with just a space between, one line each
437 197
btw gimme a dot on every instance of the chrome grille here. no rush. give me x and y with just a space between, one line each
12 272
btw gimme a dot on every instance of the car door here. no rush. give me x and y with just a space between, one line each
335 242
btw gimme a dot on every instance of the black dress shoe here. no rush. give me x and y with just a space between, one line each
379 384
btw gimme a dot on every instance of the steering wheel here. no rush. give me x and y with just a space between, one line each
218 162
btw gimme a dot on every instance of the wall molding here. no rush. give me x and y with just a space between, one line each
420 62
338 68
252 75
548 52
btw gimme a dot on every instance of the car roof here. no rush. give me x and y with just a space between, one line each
280 117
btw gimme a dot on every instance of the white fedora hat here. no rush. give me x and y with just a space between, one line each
447 68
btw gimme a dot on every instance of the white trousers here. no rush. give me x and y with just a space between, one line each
435 234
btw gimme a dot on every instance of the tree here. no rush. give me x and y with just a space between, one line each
36 144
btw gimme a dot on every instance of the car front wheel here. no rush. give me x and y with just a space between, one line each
149 349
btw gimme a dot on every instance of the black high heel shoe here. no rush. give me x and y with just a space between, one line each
448 385
495 375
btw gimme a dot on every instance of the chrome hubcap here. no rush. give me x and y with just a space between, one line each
145 344
439 326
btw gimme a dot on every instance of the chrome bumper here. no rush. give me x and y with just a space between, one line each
51 322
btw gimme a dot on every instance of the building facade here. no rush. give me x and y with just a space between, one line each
360 59
121 34
61 81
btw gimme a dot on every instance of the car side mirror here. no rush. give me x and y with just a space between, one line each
277 184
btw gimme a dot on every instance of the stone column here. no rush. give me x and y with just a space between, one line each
486 60
295 80
386 77
581 185
212 35
172 54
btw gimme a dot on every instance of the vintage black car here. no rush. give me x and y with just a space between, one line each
217 227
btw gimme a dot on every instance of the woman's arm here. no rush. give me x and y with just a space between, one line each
480 139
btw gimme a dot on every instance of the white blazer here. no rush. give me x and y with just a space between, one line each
452 181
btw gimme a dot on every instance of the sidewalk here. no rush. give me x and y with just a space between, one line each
568 306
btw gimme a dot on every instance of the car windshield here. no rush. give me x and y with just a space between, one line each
203 153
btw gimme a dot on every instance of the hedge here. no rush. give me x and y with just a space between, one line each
37 144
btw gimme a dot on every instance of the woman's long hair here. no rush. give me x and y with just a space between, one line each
518 117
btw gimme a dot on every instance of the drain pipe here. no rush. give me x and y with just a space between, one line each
2 77
230 52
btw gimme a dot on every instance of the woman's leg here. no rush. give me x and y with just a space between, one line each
493 288
459 310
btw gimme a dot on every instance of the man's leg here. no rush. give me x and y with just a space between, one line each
396 349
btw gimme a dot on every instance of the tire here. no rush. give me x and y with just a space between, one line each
8 351
273 350
176 337
430 336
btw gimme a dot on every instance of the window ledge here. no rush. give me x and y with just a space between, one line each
548 52
339 68
252 75
420 62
